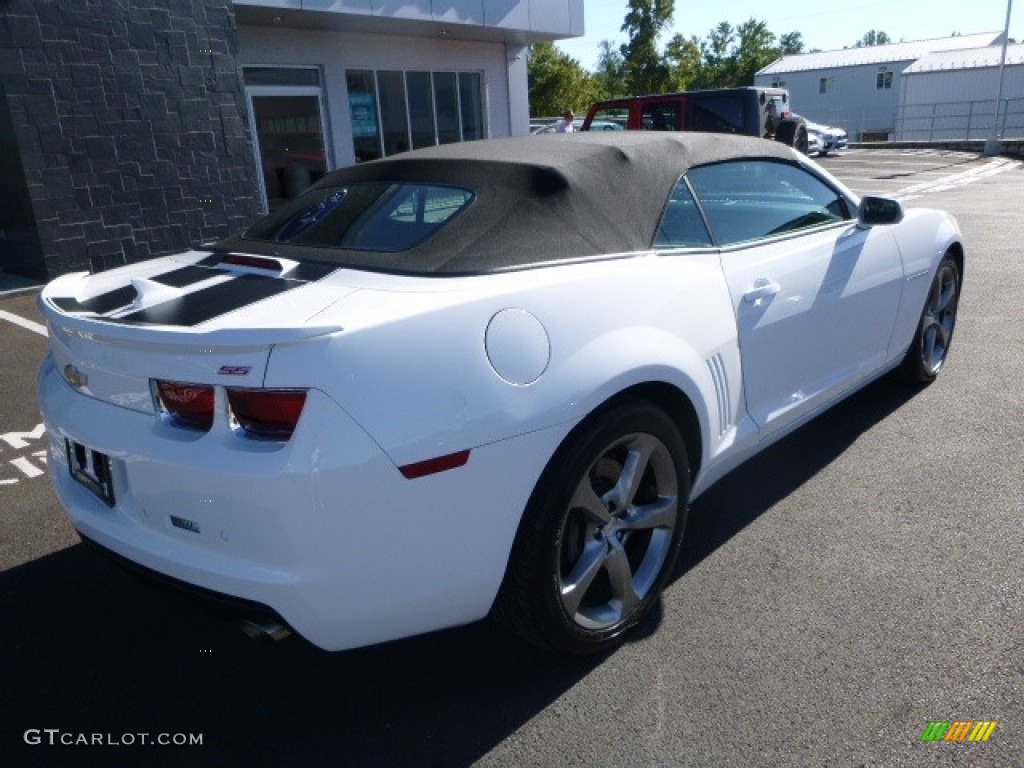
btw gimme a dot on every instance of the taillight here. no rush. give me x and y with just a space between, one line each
188 405
271 414
267 413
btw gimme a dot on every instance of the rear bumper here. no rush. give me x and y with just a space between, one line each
323 530
216 600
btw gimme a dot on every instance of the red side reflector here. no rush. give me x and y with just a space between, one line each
433 466
267 412
253 262
190 405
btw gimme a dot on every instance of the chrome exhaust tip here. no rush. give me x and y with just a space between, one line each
255 628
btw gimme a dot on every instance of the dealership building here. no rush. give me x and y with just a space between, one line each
131 129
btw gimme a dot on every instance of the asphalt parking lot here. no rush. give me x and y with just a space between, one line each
858 580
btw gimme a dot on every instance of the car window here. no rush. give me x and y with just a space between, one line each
682 224
610 116
660 116
775 110
718 113
606 125
377 216
753 199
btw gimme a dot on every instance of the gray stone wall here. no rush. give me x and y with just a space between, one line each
20 249
130 121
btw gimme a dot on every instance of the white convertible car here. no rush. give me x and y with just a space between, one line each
483 378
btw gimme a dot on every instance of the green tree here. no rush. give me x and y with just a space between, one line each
873 37
717 54
557 82
755 50
683 58
645 69
791 44
610 77
731 56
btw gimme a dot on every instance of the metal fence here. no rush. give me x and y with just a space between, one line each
960 120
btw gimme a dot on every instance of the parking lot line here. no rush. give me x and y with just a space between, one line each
18 320
952 181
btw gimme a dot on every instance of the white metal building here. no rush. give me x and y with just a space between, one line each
334 82
857 89
951 95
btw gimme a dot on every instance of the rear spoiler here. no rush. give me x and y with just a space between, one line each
93 327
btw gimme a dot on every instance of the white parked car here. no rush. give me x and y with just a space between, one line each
832 138
482 378
815 142
602 125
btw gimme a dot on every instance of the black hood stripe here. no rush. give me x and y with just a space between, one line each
100 304
201 305
305 270
208 303
119 298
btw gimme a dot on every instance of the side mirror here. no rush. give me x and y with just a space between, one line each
879 210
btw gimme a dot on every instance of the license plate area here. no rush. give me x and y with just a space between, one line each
91 469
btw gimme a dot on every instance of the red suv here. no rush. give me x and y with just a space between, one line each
750 111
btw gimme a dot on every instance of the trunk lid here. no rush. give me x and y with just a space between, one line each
201 317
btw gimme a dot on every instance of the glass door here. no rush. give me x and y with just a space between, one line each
289 132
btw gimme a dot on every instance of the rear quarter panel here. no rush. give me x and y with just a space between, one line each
412 369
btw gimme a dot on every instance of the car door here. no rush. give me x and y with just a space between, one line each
815 295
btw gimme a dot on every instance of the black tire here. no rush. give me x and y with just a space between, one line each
802 141
793 133
930 347
597 522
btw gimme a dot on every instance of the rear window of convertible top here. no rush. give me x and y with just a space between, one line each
366 216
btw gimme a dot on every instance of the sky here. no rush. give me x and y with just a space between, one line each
823 26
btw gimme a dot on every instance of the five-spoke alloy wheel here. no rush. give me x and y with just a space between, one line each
601 532
930 346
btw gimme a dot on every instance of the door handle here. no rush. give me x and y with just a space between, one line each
763 289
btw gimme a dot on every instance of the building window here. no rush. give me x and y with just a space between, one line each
471 105
394 117
446 100
395 111
778 83
421 110
883 80
826 85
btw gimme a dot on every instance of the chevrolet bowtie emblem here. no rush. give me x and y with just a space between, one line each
75 377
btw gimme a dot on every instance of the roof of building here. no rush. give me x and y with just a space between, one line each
878 54
972 58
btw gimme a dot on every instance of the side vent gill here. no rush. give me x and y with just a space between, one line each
716 367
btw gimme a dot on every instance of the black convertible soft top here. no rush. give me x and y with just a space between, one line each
537 199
